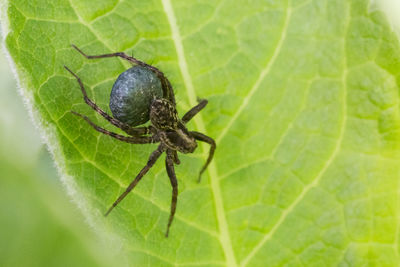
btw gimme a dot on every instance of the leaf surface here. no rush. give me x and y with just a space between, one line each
303 103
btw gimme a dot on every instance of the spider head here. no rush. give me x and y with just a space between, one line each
179 140
170 129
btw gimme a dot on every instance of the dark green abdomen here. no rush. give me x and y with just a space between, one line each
132 94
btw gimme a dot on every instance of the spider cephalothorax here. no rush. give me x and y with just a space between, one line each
170 129
140 94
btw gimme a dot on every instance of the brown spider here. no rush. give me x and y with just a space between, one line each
166 128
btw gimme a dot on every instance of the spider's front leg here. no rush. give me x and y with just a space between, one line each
194 110
152 159
204 138
199 136
169 164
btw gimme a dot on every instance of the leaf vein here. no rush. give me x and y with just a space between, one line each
106 12
260 78
224 236
318 177
275 149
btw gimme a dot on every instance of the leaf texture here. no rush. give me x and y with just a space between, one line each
303 103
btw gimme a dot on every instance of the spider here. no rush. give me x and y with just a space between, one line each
165 128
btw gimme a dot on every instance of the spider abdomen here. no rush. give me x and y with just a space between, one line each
132 94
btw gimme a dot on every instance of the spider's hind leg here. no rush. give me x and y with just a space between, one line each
117 54
127 139
166 85
128 129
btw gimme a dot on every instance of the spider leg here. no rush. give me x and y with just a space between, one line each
194 110
128 129
209 140
176 158
166 85
152 159
169 164
128 139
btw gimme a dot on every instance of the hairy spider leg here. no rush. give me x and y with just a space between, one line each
127 139
166 85
169 164
204 138
152 159
126 128
194 110
176 158
199 136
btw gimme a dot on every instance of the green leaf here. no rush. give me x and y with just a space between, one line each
303 103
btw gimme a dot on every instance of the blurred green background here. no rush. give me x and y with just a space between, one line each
39 225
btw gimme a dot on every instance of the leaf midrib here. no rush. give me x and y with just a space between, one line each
224 236
212 169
